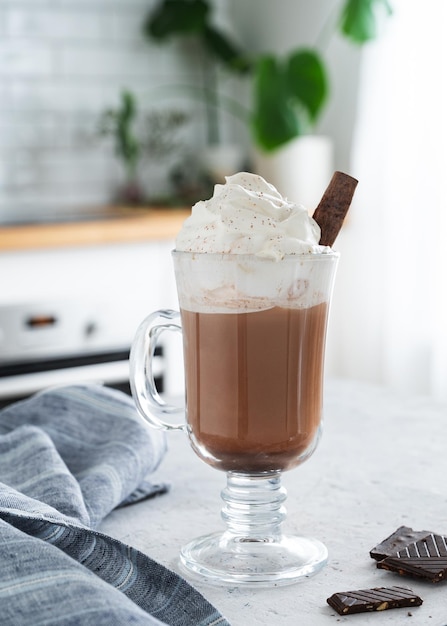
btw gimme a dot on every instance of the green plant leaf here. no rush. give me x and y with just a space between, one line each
127 145
129 106
224 50
359 19
172 17
307 83
273 121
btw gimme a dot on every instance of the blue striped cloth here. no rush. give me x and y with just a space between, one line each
69 456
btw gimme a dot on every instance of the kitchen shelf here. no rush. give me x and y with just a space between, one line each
111 226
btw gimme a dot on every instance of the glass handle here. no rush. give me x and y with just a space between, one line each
149 403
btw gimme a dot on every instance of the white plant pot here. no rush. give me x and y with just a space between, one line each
221 160
301 170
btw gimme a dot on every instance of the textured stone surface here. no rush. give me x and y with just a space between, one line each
381 464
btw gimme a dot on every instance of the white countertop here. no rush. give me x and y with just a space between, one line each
381 464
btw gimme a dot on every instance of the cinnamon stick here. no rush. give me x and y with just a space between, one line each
333 206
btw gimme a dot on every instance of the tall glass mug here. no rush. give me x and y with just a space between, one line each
254 334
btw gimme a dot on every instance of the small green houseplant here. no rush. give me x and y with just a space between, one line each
288 94
119 123
137 137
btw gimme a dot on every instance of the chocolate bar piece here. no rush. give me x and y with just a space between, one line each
333 206
425 558
397 541
376 599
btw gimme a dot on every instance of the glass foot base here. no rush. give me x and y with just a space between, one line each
229 559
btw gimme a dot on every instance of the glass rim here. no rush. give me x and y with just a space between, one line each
306 256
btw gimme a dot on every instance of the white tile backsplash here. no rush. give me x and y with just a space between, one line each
23 57
109 61
62 62
52 24
57 94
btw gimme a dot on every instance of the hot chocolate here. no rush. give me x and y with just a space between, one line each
254 385
254 286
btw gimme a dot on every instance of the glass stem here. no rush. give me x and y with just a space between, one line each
253 509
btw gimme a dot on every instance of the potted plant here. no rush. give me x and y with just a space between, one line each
120 124
137 137
191 20
289 97
288 94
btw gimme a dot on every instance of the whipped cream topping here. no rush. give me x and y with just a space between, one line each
247 215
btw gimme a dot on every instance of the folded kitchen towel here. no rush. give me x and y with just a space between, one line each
69 456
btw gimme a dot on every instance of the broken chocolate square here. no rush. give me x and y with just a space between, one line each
376 599
425 558
397 541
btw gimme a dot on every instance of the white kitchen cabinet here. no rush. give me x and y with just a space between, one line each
81 299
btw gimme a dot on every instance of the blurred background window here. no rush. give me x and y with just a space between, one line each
392 294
